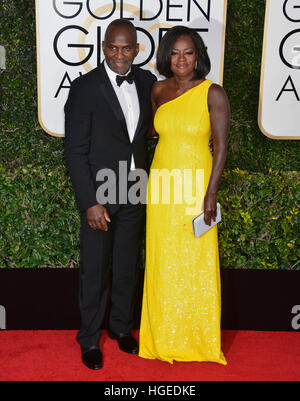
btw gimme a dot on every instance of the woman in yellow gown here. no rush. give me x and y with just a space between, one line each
181 309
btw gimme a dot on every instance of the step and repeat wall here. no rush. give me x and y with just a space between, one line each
69 37
279 102
70 33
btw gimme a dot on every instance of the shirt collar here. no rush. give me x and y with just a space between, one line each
111 74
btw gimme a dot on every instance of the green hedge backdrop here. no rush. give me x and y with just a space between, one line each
259 191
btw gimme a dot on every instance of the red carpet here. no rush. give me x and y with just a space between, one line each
55 355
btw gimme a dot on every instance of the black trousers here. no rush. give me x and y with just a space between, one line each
119 248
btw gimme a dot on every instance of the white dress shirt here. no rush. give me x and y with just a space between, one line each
129 101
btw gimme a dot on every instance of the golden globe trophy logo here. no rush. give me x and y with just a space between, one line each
279 101
70 33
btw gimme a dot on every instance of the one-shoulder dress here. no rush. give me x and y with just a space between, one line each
181 310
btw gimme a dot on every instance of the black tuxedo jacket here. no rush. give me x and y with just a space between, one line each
96 134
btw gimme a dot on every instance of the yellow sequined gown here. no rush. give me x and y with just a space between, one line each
181 308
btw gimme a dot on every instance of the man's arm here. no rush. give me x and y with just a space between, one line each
77 143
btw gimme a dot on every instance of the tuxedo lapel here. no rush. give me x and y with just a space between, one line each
108 92
141 95
111 98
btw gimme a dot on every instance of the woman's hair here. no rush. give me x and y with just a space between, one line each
163 57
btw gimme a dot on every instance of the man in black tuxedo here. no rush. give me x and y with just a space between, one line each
107 116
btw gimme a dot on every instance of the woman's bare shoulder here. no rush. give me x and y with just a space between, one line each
158 89
216 94
160 85
216 89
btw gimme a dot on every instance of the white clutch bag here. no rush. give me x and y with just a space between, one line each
199 226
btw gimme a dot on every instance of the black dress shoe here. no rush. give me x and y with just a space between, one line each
126 342
92 358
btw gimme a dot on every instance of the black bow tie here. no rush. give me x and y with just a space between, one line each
121 78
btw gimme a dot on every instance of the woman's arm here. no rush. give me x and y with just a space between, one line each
219 111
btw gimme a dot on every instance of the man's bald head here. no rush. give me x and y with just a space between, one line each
121 23
120 45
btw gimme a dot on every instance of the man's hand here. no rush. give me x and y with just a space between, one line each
97 217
